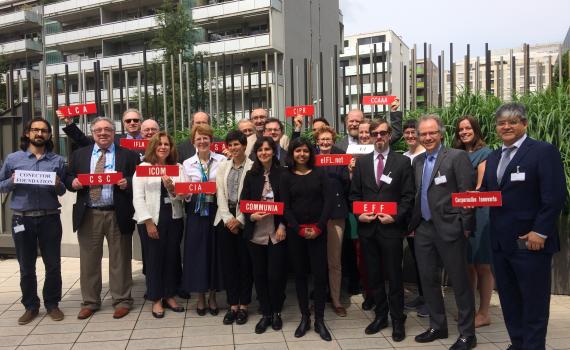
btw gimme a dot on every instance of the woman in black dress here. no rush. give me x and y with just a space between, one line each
265 234
304 190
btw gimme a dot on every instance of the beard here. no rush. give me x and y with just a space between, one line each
38 142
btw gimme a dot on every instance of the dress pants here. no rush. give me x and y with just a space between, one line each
429 246
309 255
269 273
96 226
45 230
361 265
412 247
385 252
236 266
523 280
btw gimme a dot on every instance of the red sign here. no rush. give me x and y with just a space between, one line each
378 100
195 187
218 147
99 179
294 111
275 208
332 159
157 170
134 144
477 199
76 110
389 208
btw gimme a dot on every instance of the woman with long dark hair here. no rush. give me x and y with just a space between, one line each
159 213
304 190
265 234
468 137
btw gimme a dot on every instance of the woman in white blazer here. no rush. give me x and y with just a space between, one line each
159 214
229 221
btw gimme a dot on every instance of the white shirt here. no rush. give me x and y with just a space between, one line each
192 167
376 160
516 144
352 140
412 156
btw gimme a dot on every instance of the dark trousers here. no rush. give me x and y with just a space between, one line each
45 230
236 266
388 253
429 248
269 273
163 261
309 255
523 281
412 247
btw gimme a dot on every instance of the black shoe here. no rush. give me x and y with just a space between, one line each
377 325
276 322
464 343
398 329
262 325
200 312
368 304
322 329
166 305
214 311
303 327
430 335
241 317
158 314
230 317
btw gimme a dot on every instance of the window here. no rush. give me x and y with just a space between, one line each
343 63
346 43
372 40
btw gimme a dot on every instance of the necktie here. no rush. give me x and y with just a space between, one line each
379 168
426 177
505 160
95 192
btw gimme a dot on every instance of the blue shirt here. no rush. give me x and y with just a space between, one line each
32 197
107 191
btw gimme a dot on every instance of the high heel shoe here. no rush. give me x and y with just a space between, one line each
213 311
177 308
158 314
322 330
303 327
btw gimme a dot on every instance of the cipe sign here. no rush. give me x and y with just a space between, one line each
293 111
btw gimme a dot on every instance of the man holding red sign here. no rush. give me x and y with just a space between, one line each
384 176
103 211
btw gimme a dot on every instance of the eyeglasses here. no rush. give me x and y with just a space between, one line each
379 133
149 130
129 121
100 130
511 122
39 131
273 130
429 133
325 139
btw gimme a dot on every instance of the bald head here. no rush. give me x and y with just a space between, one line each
200 118
258 117
246 126
353 120
148 128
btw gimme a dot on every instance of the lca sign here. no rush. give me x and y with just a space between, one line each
75 110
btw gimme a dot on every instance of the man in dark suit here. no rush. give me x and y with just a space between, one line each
103 212
524 236
442 231
384 176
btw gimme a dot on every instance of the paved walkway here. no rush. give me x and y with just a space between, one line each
139 330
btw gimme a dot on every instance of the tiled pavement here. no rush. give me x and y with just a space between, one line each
139 330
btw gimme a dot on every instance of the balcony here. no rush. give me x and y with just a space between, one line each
104 31
133 59
351 70
249 43
366 89
20 48
68 6
232 8
364 50
20 20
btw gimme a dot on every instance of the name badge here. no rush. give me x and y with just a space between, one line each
517 177
167 200
19 228
440 180
386 178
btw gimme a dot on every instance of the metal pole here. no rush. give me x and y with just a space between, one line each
96 95
442 78
322 86
267 86
139 90
527 68
297 87
181 84
333 100
31 101
426 83
292 71
242 86
335 83
249 92
374 71
154 93
414 88
127 97
121 100
318 109
164 107
384 73
487 69
54 106
111 95
145 82
210 100
173 88
276 105
188 100
467 70
224 90
217 90
202 103
66 85
43 88
451 74
259 91
232 87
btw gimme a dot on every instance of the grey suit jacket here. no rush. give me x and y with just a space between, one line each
450 222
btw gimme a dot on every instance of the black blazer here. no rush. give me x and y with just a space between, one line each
400 190
339 186
125 162
252 190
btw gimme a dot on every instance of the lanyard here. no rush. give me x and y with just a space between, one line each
205 174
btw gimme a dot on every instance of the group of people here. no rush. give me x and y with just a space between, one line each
225 249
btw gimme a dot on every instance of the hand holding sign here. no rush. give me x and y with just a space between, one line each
367 217
386 219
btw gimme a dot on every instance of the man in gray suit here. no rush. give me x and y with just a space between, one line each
442 231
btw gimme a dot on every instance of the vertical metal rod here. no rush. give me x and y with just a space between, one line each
54 106
413 83
232 83
276 105
333 100
210 100
375 72
426 82
145 82
216 83
320 81
467 70
345 107
259 91
451 74
358 86
293 81
297 87
242 87
121 100
306 81
442 78
487 69
67 87
513 75
371 65
384 59
224 90
249 92
96 86
335 80
319 92
527 68
267 94
154 92
31 101
202 79
181 87
197 95
139 90
188 99
127 97
173 88
111 95
164 106
439 81
501 76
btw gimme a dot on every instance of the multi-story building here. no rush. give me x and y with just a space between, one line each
422 90
264 44
374 64
504 74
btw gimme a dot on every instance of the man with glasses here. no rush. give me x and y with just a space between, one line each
384 176
103 212
36 219
274 129
524 234
442 231
148 128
